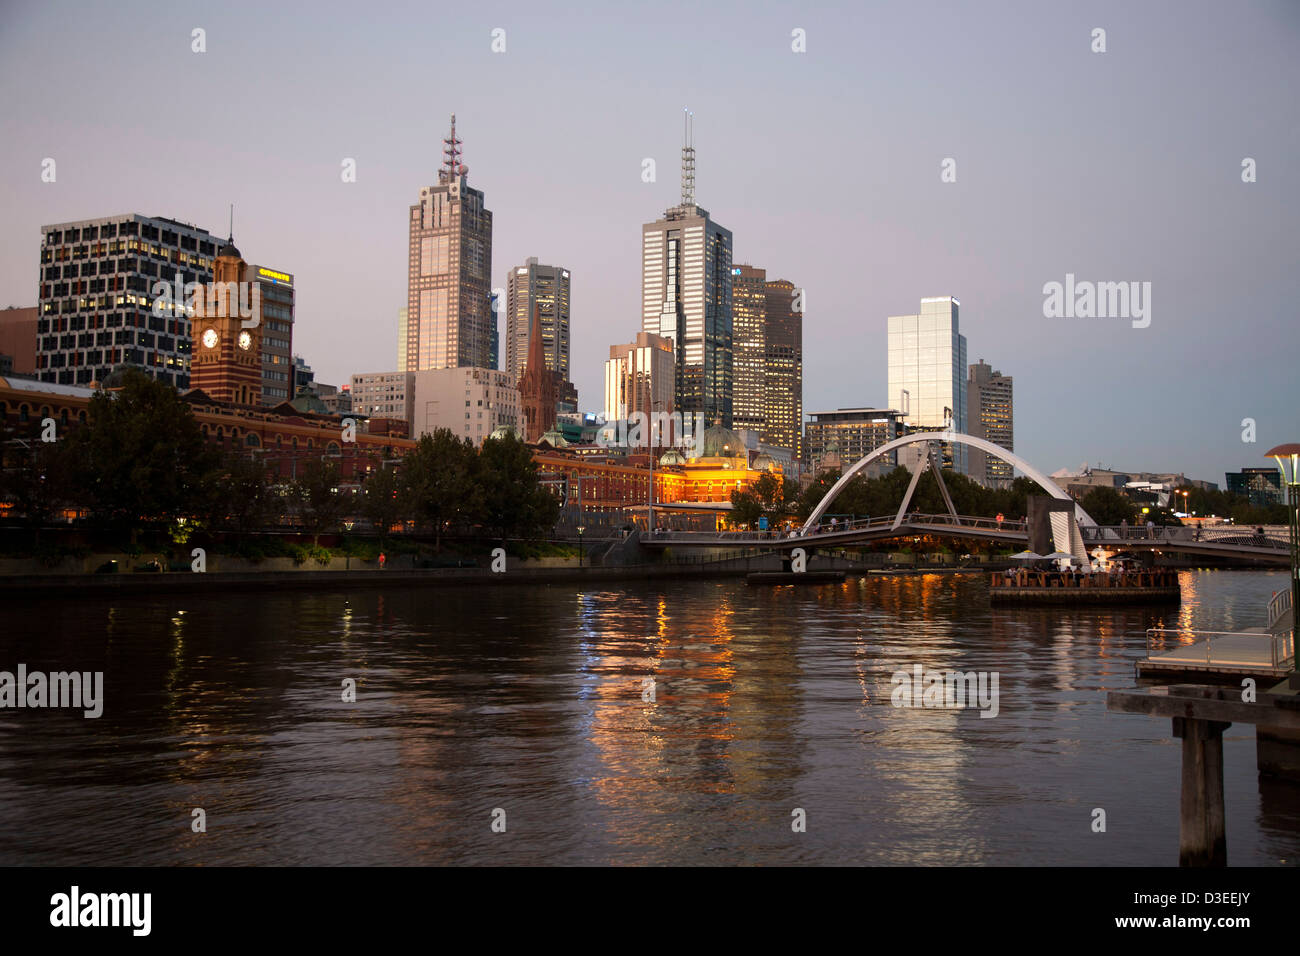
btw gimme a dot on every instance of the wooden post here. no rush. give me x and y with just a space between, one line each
1202 836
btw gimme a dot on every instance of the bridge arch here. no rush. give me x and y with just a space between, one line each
1043 481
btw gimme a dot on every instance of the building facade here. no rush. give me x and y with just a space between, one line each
99 282
18 338
928 374
383 395
227 361
847 435
449 267
639 377
1259 485
686 297
541 290
748 338
471 402
275 318
783 367
991 412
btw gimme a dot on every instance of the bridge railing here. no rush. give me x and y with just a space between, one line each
1281 647
1278 605
827 531
1270 536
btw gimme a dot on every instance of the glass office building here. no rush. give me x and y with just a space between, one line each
927 372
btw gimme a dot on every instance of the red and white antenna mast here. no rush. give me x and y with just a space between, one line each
451 155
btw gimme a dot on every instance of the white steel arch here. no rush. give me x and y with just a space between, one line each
1044 482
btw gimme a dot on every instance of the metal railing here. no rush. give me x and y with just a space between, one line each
1278 605
828 532
1270 536
1281 646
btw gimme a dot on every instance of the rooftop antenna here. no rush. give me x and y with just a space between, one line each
451 155
688 157
232 222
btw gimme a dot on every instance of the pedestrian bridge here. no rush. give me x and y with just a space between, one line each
1269 545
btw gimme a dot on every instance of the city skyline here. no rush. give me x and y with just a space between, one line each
1032 202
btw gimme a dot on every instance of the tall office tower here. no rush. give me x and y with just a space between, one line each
448 297
544 291
99 282
783 367
275 317
686 298
749 342
494 346
227 360
992 417
401 339
639 377
927 372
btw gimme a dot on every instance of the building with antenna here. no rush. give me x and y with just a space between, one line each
686 297
449 266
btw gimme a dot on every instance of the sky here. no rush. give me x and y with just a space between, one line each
1117 166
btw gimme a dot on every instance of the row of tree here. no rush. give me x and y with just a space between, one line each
142 462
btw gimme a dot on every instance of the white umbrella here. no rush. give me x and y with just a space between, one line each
1027 556
1060 556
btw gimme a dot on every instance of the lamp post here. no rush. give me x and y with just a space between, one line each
650 495
1185 511
581 528
1288 462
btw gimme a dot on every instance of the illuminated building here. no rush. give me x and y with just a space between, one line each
227 360
783 367
639 377
541 291
927 372
686 298
991 412
99 279
449 307
749 355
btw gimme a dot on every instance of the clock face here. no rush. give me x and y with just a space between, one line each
245 341
210 338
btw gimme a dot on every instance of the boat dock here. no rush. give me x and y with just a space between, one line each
1265 652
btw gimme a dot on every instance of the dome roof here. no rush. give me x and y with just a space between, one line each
672 457
720 442
764 463
228 249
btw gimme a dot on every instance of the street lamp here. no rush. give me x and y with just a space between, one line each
1288 462
581 529
1185 494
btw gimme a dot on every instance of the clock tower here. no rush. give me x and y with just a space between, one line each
226 353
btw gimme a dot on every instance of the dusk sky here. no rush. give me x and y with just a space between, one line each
1116 166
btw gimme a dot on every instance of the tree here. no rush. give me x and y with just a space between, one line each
381 502
437 485
511 501
317 497
1108 507
245 498
141 458
36 479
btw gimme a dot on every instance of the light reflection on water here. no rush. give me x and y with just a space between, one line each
530 699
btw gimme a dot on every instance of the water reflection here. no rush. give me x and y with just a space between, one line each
536 701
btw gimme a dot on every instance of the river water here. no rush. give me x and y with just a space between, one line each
531 707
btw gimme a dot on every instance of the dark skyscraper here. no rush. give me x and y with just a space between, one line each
783 366
686 298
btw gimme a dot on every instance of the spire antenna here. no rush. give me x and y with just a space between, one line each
232 222
688 158
451 156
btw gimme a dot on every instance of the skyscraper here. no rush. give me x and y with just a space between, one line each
749 338
449 271
99 282
686 298
927 371
536 388
992 417
783 366
542 290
